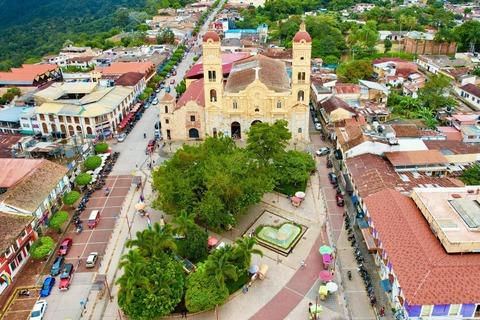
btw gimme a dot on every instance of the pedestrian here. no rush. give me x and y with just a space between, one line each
244 289
303 264
290 251
142 198
310 305
382 312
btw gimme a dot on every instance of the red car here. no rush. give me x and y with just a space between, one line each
150 146
340 201
65 246
66 277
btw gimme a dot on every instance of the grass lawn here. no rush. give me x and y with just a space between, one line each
290 189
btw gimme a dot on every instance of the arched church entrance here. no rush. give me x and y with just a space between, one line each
236 130
255 122
193 133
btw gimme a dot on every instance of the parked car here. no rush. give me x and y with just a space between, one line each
121 137
318 126
172 81
329 163
157 90
91 260
66 276
155 101
322 151
333 178
65 246
340 200
38 310
47 286
151 146
316 120
167 89
57 266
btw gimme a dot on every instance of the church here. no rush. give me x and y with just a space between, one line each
229 97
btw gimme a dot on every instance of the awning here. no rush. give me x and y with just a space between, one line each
354 199
386 285
367 236
362 224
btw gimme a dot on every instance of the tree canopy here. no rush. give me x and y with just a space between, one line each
471 176
354 70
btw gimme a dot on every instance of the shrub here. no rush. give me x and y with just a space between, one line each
83 179
203 292
194 247
92 162
58 220
71 197
101 147
42 248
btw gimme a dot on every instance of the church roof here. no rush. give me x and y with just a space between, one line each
167 97
270 72
211 35
194 92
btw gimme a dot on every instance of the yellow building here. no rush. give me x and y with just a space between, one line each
255 89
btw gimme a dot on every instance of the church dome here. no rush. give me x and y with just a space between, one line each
211 35
302 34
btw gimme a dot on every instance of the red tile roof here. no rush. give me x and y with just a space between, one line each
129 79
302 35
194 93
382 60
167 97
451 133
425 272
333 103
472 89
457 147
119 68
211 35
14 170
227 60
27 73
347 88
372 173
406 130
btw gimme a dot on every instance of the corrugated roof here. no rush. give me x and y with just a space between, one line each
420 157
194 92
472 89
426 273
333 103
13 170
27 73
118 68
129 79
272 73
12 114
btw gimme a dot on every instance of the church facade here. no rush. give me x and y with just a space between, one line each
230 99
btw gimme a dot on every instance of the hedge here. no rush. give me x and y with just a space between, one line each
203 293
92 162
71 197
42 248
83 179
101 147
58 220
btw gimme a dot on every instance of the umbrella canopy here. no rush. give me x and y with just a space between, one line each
296 199
212 241
140 206
327 258
332 287
253 269
325 250
325 275
316 308
300 194
323 290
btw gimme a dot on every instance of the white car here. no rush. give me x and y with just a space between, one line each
121 137
38 310
322 151
318 126
155 101
91 260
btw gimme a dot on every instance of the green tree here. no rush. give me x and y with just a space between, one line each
266 141
181 88
83 179
71 197
154 242
242 253
387 43
469 35
471 176
92 162
194 246
292 170
165 36
149 287
434 94
57 220
183 222
330 60
219 267
355 70
41 248
203 292
101 147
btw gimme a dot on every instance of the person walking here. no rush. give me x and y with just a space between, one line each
303 264
382 312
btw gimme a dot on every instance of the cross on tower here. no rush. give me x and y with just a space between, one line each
257 68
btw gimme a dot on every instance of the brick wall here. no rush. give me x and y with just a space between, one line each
418 47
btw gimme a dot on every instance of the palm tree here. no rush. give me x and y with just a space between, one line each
183 222
133 265
219 266
155 241
242 253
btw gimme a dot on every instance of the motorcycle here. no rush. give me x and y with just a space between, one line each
349 274
24 293
79 228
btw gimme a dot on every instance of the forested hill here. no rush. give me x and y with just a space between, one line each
30 29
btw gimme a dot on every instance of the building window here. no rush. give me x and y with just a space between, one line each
167 121
77 120
8 252
302 58
23 234
192 118
279 104
426 310
42 117
300 95
301 76
60 118
212 76
69 119
213 95
299 130
454 309
166 109
235 104
87 121
13 265
257 109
